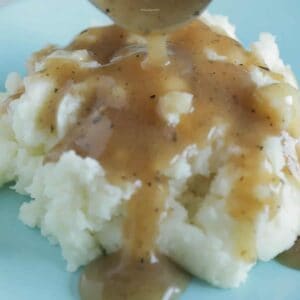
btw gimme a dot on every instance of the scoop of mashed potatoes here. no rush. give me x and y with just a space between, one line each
76 206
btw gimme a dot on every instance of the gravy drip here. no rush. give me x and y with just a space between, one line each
119 125
4 105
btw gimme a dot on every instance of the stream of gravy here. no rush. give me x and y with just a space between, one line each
119 125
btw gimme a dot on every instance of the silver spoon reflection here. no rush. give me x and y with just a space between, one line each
151 15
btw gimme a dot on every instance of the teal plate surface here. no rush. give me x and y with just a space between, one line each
32 269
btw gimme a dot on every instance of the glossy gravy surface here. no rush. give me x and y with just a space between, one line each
119 125
132 279
291 257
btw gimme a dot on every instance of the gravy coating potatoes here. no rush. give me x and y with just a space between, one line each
195 162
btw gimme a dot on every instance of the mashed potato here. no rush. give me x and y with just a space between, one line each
76 206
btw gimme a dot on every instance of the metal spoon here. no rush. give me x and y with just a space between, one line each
147 16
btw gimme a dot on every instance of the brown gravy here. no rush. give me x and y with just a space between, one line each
148 16
291 257
119 125
11 98
135 280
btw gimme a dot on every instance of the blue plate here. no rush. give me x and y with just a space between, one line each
31 269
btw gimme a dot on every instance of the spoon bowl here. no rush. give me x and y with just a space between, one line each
147 16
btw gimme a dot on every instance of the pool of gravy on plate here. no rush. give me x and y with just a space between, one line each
119 125
291 257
